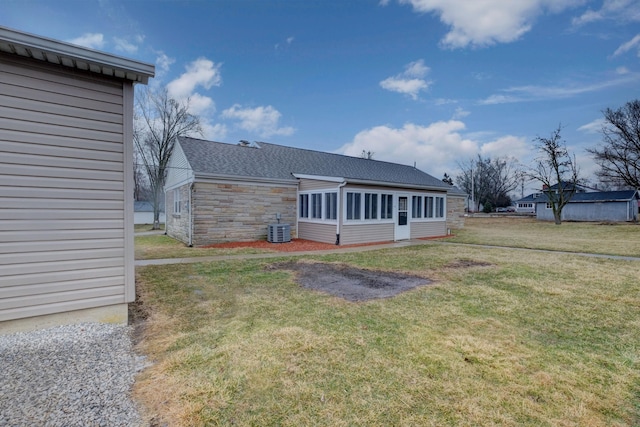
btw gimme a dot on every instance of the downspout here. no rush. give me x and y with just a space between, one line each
339 211
191 187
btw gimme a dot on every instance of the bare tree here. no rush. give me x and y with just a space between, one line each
489 181
159 120
141 190
367 154
557 171
619 156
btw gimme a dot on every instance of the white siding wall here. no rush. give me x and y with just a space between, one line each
65 214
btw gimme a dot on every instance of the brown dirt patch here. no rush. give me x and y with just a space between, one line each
295 245
350 283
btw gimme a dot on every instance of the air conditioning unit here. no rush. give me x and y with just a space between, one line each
279 233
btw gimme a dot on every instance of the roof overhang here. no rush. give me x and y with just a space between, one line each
243 179
368 182
70 55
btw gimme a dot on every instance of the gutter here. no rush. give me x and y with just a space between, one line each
339 211
191 187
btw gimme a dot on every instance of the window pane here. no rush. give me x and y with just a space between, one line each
304 206
416 207
331 206
387 206
316 206
353 205
428 207
370 206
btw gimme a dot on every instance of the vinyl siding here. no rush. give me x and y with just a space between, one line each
310 185
325 233
65 231
366 233
428 229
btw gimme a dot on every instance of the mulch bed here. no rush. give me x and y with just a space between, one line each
295 245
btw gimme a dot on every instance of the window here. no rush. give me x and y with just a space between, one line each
439 207
428 207
331 205
353 205
176 201
370 206
316 206
304 206
549 205
387 206
416 207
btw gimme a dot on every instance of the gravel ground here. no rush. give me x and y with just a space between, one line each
76 375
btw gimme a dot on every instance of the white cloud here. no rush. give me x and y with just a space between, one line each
263 121
616 10
124 45
199 73
592 127
90 40
506 146
460 113
622 70
634 43
163 62
436 148
410 82
539 93
482 23
213 132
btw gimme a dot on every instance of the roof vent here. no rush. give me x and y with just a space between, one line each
244 143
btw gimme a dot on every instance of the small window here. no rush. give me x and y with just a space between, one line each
370 206
416 207
304 206
316 206
387 206
439 207
353 206
331 205
549 205
176 201
428 207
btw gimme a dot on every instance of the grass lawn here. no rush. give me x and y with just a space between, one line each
533 339
161 246
145 227
601 238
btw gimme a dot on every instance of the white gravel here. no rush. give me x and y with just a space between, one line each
76 375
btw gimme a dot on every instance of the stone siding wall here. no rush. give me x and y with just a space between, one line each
177 224
240 212
455 212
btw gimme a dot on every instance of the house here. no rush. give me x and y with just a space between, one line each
219 192
612 206
143 213
66 153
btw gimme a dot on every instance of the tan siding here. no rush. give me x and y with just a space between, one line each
325 233
310 185
428 229
60 307
366 233
62 190
58 245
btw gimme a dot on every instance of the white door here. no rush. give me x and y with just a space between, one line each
402 219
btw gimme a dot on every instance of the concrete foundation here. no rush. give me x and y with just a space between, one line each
110 314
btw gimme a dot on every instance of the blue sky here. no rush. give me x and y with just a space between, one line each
434 82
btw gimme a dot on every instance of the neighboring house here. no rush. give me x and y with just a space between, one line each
219 192
590 206
66 184
143 213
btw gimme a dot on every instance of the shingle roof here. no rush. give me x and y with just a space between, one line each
271 161
597 196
